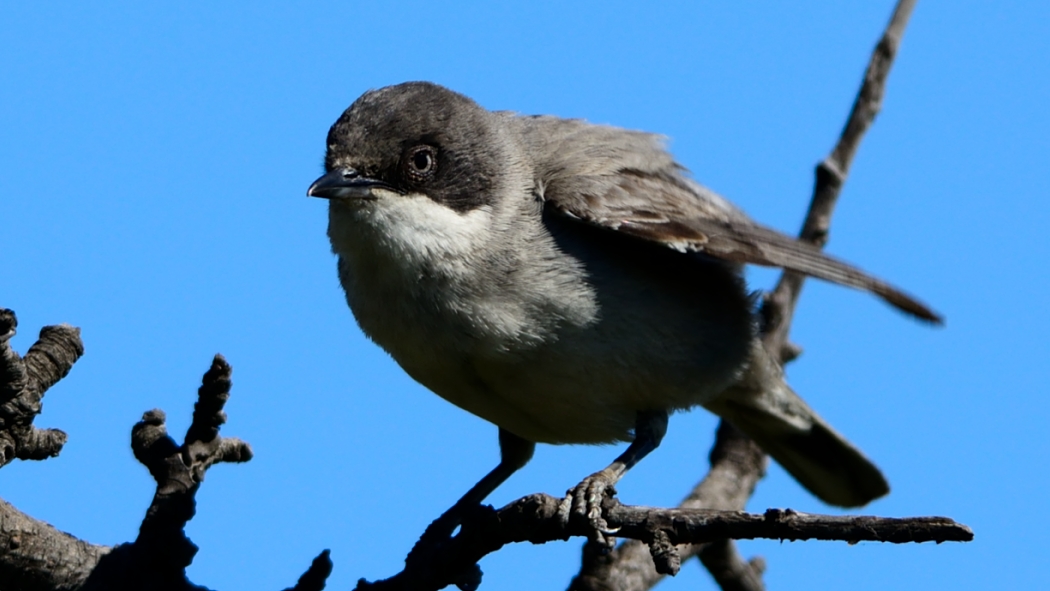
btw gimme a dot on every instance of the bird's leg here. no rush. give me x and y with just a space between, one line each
515 452
586 498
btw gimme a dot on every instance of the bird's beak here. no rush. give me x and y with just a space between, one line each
344 183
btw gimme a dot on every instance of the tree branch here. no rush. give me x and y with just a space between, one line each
23 382
778 307
660 538
729 569
737 464
535 519
35 556
628 567
159 556
726 487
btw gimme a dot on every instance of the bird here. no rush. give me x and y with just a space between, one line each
571 284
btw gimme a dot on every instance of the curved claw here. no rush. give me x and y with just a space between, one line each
565 509
585 500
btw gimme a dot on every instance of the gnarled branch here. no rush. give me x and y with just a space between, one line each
36 556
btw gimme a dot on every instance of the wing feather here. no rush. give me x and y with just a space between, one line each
652 198
762 246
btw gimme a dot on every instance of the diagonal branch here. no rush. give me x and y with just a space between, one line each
36 556
737 464
778 308
629 567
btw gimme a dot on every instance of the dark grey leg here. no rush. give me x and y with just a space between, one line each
515 452
586 498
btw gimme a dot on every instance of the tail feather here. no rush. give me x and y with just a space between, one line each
816 455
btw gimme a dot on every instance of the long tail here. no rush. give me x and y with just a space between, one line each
820 459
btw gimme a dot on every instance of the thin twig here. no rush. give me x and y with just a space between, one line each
23 383
779 306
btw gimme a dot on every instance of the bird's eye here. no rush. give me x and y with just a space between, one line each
421 163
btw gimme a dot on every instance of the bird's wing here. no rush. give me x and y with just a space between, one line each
651 198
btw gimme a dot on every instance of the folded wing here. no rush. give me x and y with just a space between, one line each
666 207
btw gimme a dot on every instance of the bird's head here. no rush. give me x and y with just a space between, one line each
410 139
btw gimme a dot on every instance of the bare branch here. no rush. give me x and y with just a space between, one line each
314 578
36 556
661 538
779 306
729 569
737 464
162 551
23 382
629 566
701 525
535 519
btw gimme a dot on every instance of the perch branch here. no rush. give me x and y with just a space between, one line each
628 567
737 464
535 519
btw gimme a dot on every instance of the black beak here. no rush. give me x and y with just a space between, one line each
344 183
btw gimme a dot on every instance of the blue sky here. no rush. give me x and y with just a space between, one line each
152 191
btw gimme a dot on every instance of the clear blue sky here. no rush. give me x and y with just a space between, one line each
152 191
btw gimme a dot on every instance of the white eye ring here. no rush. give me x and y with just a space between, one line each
421 162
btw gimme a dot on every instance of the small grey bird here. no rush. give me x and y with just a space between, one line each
569 283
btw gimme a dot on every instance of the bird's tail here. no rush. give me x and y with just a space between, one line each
822 460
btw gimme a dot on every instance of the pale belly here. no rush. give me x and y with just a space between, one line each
575 368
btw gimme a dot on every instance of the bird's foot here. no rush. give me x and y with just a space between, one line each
426 554
436 535
585 500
